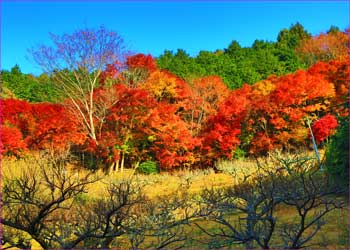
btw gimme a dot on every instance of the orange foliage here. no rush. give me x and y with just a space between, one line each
173 143
220 134
38 126
278 107
141 61
208 93
11 142
325 47
212 90
300 88
338 73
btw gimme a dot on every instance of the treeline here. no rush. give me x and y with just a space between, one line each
237 65
117 114
15 84
164 119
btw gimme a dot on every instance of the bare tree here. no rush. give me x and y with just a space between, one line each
110 216
246 212
50 205
313 194
35 201
251 204
162 222
75 62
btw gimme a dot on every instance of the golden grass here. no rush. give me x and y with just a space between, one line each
332 235
156 184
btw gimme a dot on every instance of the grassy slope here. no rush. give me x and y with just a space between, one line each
333 234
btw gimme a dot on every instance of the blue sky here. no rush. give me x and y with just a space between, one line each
154 26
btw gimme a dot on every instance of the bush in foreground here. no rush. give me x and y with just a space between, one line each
337 153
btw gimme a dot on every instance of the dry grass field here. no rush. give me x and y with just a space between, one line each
334 235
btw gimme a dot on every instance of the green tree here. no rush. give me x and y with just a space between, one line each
237 65
28 87
333 30
265 60
287 41
234 49
337 153
181 64
291 37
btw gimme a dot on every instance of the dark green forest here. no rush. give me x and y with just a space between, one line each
237 65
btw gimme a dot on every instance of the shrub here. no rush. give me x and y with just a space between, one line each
239 153
337 153
148 167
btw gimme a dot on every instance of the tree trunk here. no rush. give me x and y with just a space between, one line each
122 163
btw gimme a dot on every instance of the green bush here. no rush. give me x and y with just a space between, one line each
337 153
239 154
148 167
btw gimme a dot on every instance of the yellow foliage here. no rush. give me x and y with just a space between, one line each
299 133
315 107
264 87
161 84
7 93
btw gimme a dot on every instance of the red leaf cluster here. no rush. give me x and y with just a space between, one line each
11 142
111 72
55 128
221 134
177 124
324 127
141 61
125 129
173 143
37 126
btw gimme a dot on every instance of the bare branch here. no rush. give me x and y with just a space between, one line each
75 62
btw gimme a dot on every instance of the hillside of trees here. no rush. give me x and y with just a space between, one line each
138 111
68 134
237 65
